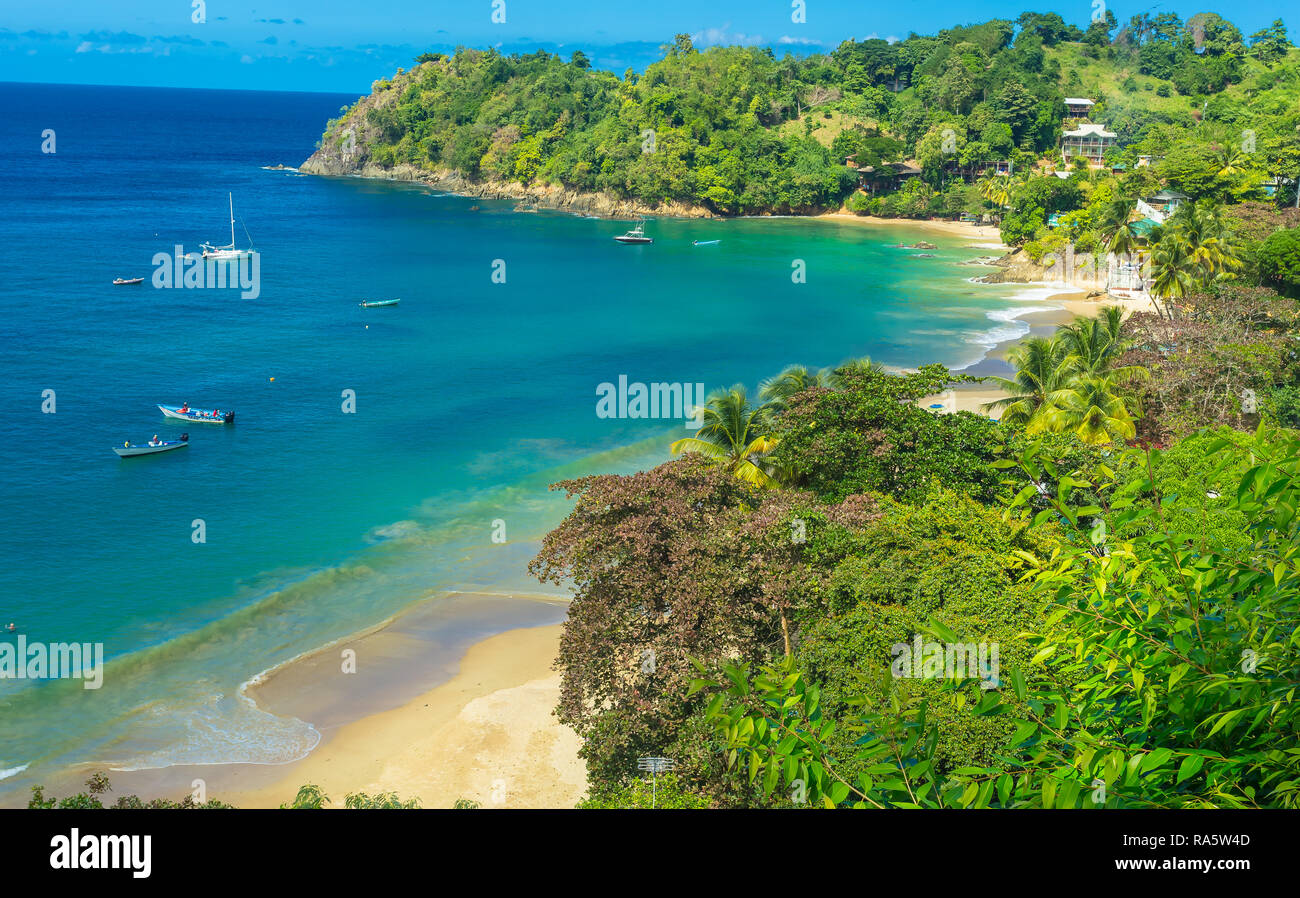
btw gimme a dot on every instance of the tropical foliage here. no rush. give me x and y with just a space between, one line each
737 130
1163 675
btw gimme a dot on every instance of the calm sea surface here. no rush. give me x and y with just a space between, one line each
469 398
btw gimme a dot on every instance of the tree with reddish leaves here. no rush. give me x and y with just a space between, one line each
679 562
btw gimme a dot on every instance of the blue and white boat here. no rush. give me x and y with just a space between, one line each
201 415
129 450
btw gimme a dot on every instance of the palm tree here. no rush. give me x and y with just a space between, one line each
996 189
1232 160
1114 225
1172 275
1043 367
863 365
734 434
1092 408
1207 241
1092 344
794 379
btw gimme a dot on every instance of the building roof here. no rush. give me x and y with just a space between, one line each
891 168
1090 130
1142 227
1167 194
1079 101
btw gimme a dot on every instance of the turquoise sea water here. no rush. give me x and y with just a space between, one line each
470 397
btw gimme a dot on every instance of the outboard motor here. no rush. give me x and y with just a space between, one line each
229 417
185 438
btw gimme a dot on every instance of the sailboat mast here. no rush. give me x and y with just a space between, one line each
231 197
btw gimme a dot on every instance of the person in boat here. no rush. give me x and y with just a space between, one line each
11 628
185 406
155 441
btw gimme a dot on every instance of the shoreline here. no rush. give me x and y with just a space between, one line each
345 757
984 235
487 734
385 712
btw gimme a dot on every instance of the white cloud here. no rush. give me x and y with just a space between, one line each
712 36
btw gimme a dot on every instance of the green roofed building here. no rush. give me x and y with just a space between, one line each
1142 227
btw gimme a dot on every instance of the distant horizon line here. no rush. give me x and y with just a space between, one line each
224 90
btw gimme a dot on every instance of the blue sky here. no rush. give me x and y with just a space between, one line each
343 45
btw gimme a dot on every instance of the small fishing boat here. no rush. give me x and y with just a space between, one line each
122 282
705 242
378 303
636 235
153 447
201 415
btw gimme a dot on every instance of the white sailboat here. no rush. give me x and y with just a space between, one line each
228 251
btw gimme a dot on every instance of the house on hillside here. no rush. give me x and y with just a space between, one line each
1078 107
884 177
1088 141
1001 167
1160 207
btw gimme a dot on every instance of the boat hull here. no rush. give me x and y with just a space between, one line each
132 451
198 415
379 304
635 239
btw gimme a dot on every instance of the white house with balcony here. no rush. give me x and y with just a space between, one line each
1090 141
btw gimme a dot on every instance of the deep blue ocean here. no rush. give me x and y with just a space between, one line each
470 397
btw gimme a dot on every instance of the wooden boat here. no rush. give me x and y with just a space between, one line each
122 282
706 243
201 415
130 450
636 235
378 303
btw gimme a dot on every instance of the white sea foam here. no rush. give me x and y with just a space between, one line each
215 731
5 774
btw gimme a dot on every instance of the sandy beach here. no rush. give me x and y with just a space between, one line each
984 234
487 735
451 699
971 397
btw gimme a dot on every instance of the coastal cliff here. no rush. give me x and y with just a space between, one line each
351 145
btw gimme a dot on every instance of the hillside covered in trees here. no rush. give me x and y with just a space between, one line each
735 130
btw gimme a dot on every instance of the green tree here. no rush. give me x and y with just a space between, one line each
733 434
